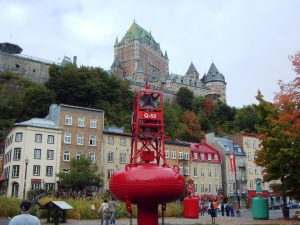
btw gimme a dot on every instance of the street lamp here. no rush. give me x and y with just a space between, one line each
24 188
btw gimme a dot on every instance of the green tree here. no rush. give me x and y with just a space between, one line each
185 98
246 119
83 174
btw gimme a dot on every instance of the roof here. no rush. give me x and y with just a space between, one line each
39 122
213 74
192 69
136 32
60 204
10 48
230 147
116 63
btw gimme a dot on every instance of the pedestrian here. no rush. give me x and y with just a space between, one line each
112 205
222 208
227 209
216 206
25 217
202 208
212 212
103 210
208 207
231 211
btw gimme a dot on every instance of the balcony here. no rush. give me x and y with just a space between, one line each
241 164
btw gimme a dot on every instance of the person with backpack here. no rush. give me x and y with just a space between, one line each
104 212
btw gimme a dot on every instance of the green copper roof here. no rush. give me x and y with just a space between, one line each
136 32
192 69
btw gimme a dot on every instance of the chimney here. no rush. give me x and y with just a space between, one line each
75 60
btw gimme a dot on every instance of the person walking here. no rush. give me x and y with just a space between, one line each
212 212
202 208
104 212
112 205
25 218
216 206
222 208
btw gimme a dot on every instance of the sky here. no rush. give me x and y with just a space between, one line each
249 41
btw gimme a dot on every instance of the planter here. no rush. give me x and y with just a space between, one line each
286 212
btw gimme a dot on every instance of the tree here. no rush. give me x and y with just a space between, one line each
193 131
246 119
83 174
185 98
279 129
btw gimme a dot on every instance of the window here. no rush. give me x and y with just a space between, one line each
122 157
81 121
35 185
80 139
209 188
50 139
17 153
216 172
92 141
208 156
15 171
93 123
181 170
202 172
195 155
66 155
110 157
167 154
66 171
37 153
50 154
49 186
36 170
49 171
195 172
68 120
196 188
216 157
38 138
186 156
78 155
202 156
209 172
186 170
173 154
202 188
110 172
122 141
227 148
18 137
110 140
251 184
67 138
92 157
180 155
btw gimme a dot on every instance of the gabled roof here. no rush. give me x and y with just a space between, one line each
213 74
192 69
230 147
39 122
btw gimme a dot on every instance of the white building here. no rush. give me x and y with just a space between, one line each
32 156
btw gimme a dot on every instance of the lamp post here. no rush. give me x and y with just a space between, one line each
24 188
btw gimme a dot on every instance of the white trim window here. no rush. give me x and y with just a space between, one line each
67 156
81 121
110 140
37 153
202 172
49 186
80 138
19 137
68 120
196 188
15 171
186 155
35 185
195 154
209 172
50 139
92 157
173 154
202 156
50 154
208 156
216 157
209 188
93 123
78 155
92 140
202 188
216 172
38 138
110 172
122 158
167 154
186 170
67 138
122 140
195 171
17 153
49 171
180 155
110 157
36 170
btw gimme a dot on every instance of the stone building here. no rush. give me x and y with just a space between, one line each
32 156
138 59
116 152
82 132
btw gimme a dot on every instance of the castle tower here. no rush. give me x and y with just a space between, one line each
192 72
139 49
215 82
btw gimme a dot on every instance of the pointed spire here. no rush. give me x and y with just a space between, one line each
166 54
192 69
213 69
117 41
